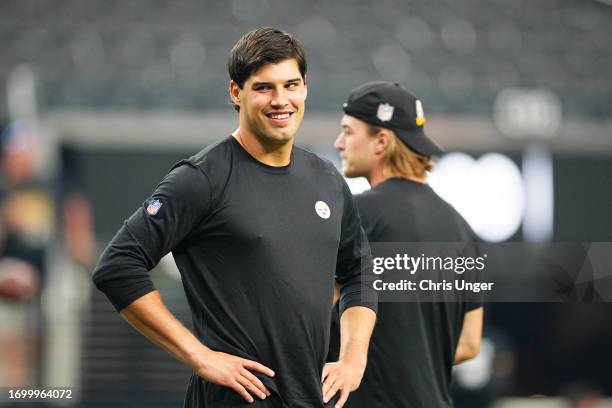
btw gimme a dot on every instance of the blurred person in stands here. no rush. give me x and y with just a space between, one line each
415 344
26 222
28 219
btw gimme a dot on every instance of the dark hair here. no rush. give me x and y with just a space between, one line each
262 46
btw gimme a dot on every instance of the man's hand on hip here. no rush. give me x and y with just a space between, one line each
235 372
341 376
151 317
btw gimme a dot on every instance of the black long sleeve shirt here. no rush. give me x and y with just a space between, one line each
413 345
258 248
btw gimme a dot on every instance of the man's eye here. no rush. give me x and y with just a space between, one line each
292 85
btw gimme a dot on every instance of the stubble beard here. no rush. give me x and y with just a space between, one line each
352 172
272 141
274 138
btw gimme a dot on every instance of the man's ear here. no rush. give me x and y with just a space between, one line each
305 86
382 141
234 92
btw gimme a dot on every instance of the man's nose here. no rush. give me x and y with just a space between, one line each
339 143
279 98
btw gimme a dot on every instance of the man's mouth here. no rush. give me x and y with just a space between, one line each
279 119
279 115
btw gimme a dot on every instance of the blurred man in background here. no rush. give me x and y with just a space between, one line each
26 222
414 345
28 226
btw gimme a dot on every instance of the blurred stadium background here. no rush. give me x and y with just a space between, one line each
100 98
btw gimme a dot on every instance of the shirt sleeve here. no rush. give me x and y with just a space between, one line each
354 265
164 220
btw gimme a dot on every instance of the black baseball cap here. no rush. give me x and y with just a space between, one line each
388 105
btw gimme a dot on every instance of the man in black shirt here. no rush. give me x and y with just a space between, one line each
414 344
259 229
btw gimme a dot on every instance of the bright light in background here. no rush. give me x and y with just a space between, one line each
539 194
478 372
358 184
521 113
487 192
453 180
533 114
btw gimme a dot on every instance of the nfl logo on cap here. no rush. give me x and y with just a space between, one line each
384 112
153 206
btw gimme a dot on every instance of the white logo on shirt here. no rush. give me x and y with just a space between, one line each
322 209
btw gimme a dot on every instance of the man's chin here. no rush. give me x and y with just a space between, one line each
280 139
275 138
350 173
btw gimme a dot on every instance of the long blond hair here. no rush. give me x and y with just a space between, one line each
401 161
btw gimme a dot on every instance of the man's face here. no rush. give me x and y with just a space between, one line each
357 147
272 102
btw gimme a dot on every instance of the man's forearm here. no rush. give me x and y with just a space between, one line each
336 293
356 325
471 334
149 315
463 354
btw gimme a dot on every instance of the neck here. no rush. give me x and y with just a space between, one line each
272 154
377 176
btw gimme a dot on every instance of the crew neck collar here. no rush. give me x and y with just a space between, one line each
266 167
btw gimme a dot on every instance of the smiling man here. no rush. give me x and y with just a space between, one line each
260 229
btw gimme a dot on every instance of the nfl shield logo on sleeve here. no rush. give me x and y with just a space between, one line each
153 206
384 112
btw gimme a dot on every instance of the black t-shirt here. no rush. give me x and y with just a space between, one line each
413 344
258 248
